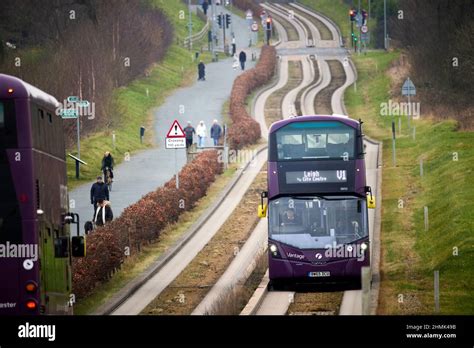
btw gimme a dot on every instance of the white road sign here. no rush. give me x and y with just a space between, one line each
176 139
255 26
408 88
364 29
249 14
175 143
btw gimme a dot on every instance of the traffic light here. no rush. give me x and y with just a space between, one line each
352 14
219 20
228 20
269 23
364 17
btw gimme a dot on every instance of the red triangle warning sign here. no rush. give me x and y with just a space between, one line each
175 131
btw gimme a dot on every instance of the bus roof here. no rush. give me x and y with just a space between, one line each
22 89
344 119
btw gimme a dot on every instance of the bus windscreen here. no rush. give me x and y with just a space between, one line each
316 140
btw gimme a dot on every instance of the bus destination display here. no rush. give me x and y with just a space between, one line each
316 177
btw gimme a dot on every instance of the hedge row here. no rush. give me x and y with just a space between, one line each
141 223
244 129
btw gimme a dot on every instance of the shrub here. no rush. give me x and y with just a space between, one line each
142 223
244 129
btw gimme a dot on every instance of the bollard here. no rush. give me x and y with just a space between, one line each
436 290
425 211
142 133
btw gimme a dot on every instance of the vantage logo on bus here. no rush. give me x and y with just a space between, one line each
316 176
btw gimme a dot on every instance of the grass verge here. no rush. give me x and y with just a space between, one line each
410 254
132 104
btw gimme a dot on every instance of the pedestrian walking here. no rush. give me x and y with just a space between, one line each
205 6
104 213
201 71
242 59
189 131
201 132
216 132
99 191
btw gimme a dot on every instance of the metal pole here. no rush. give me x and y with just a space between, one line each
360 31
78 122
385 24
352 32
393 145
223 21
425 211
368 17
436 290
421 167
190 24
231 21
409 111
113 140
399 126
212 27
176 168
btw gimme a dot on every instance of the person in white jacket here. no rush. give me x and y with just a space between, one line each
236 63
201 132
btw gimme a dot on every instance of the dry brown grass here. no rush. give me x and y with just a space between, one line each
234 301
273 110
322 102
192 285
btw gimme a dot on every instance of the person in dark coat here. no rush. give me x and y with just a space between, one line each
205 6
103 214
201 71
108 162
189 131
242 59
216 132
99 191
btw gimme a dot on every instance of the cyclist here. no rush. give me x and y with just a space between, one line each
108 162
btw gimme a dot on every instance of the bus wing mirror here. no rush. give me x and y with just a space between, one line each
78 246
262 211
61 247
262 208
370 201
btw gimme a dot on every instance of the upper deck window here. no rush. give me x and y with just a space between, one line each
10 219
315 140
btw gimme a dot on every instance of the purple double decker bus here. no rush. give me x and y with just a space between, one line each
35 243
318 228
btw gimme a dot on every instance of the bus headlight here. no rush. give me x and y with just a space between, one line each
363 246
273 248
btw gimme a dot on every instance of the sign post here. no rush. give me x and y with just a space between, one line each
408 89
176 139
249 18
71 114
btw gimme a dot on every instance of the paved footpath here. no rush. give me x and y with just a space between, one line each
149 169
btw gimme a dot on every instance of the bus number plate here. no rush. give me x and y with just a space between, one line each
319 274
